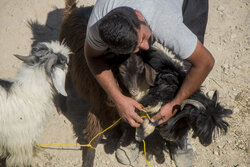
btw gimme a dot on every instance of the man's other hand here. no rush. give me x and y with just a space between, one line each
126 107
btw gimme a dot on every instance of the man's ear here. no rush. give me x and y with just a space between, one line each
139 15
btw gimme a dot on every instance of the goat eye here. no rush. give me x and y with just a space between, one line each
62 61
40 50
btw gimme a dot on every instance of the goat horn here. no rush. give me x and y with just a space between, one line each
195 103
27 59
50 62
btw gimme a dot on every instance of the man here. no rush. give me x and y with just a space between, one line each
126 26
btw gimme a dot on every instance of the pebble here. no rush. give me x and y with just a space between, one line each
236 110
220 8
236 57
215 152
225 67
241 146
248 103
233 36
107 162
238 96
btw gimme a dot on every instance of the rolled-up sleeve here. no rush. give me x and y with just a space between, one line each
186 41
178 38
93 38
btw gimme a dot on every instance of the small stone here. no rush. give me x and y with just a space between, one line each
236 57
241 146
221 13
238 96
248 103
107 162
225 67
215 153
233 36
236 110
220 8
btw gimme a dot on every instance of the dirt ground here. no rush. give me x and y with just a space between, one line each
24 23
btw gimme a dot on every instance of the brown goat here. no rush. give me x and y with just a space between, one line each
102 112
73 33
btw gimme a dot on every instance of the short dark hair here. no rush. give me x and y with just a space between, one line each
118 30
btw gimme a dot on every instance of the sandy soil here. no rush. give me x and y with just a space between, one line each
24 23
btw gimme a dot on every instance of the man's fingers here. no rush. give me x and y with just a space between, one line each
156 117
137 118
161 121
134 123
138 106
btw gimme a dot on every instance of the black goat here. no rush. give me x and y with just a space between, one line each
199 113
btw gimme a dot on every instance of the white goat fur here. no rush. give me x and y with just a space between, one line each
25 109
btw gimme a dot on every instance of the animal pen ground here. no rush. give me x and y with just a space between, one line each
24 23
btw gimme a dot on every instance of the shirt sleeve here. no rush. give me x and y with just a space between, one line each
186 41
94 39
178 38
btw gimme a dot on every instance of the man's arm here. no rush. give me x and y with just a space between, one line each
100 69
202 63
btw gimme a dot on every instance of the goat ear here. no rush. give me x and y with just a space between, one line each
28 59
215 97
58 77
150 74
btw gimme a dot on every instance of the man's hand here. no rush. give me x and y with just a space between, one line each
166 112
202 63
102 72
126 107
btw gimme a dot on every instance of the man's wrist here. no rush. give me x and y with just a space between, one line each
177 101
117 98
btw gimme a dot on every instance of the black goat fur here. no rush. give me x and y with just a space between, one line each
167 83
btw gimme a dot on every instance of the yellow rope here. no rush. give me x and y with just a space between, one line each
143 109
89 144
145 153
104 130
49 144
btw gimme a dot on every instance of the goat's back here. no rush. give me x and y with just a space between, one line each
73 33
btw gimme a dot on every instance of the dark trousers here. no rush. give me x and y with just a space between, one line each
195 13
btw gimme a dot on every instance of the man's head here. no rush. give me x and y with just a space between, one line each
125 30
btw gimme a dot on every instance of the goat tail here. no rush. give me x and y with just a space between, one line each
69 6
93 126
99 118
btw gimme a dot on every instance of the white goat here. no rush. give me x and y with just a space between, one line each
26 102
